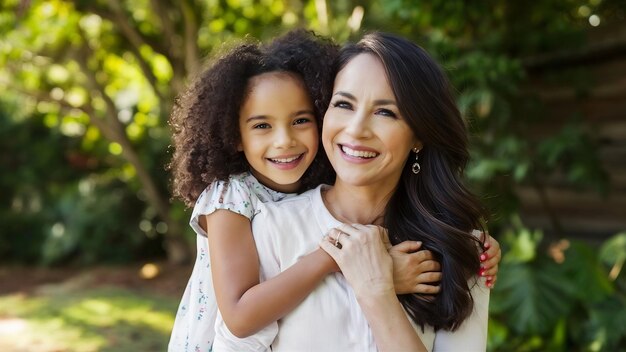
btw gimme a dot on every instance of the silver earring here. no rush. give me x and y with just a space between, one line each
416 168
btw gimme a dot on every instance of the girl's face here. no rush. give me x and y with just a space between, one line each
365 136
278 130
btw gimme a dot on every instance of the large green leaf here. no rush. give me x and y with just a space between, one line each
531 297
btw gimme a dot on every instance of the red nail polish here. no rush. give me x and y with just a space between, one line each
483 257
487 245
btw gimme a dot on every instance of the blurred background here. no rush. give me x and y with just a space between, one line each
94 254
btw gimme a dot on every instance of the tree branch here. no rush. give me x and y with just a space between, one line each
178 251
192 56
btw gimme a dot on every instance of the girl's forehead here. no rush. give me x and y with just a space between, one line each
274 76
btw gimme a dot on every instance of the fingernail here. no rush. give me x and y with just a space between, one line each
483 257
487 245
481 272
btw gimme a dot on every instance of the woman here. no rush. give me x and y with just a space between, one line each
399 146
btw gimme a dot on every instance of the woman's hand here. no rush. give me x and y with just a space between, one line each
362 256
489 260
414 270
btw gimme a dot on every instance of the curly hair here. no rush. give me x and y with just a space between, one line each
205 118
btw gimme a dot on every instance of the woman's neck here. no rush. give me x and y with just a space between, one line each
356 204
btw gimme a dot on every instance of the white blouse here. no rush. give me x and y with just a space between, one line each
330 319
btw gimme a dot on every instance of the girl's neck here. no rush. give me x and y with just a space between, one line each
356 204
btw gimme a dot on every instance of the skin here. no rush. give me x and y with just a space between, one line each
364 116
278 130
277 124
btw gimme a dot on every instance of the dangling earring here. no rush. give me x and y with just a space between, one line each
416 168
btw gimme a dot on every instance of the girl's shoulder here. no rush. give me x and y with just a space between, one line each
240 193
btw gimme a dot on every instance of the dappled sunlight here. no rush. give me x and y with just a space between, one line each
94 320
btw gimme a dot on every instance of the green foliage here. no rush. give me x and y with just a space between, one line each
558 298
86 88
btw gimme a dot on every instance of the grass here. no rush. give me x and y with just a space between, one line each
86 320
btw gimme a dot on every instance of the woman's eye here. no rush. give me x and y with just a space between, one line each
342 105
261 126
302 120
386 112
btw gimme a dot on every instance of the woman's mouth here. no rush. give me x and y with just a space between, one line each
361 154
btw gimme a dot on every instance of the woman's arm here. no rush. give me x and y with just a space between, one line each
245 304
367 266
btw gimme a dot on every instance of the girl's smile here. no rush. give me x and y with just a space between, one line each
278 130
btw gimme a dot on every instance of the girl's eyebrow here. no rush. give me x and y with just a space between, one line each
376 102
265 117
303 112
255 118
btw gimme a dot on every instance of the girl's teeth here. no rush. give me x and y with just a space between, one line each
284 161
358 153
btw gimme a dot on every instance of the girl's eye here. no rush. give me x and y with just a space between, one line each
342 104
386 112
301 120
261 126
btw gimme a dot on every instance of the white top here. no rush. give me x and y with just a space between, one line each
198 325
330 319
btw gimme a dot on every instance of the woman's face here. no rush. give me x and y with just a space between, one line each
365 136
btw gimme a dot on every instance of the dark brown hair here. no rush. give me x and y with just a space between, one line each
205 119
433 206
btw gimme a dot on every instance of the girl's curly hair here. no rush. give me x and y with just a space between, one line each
205 118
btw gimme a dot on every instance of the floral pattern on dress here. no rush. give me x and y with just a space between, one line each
195 319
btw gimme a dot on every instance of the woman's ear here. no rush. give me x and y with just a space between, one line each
417 147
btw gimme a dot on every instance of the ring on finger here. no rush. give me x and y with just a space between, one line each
337 243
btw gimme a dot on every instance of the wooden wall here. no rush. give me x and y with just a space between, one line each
601 102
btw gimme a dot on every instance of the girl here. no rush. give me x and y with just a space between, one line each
249 129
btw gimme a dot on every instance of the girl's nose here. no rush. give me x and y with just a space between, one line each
284 139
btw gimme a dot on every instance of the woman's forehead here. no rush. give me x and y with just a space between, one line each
364 75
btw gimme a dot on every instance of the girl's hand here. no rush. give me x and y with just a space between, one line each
489 260
414 271
363 258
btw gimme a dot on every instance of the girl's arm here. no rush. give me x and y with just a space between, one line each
416 271
489 260
245 304
368 267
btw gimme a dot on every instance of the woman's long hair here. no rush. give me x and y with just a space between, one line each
433 206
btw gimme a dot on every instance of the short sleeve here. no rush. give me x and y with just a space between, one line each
471 336
230 195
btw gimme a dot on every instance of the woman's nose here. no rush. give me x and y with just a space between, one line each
358 125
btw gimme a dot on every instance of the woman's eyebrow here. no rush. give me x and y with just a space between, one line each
345 94
385 102
376 102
